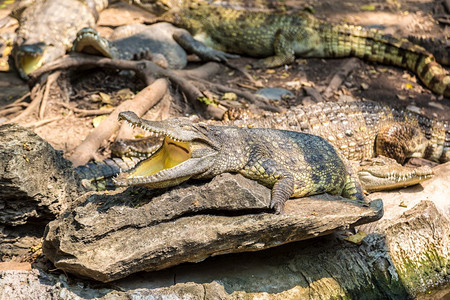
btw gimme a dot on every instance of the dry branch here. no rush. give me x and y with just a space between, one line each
340 76
140 104
36 95
87 112
50 80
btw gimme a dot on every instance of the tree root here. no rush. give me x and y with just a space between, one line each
144 69
39 95
142 102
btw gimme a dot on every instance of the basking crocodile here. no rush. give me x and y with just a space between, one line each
47 29
359 130
293 164
279 38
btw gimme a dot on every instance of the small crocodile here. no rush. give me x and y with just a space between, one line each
47 29
279 38
360 131
293 164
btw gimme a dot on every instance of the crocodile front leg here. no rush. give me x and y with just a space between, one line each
281 192
206 53
283 48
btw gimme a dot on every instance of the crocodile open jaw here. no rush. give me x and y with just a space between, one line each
171 164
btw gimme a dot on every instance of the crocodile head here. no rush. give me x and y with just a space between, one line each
382 173
29 57
89 41
188 151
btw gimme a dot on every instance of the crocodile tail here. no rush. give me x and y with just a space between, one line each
440 48
98 175
371 45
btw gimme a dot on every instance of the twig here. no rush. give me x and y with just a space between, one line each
245 73
19 100
42 122
50 80
340 76
140 104
252 98
87 112
314 93
36 96
10 110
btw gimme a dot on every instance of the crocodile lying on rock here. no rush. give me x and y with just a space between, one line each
47 29
359 131
279 38
293 164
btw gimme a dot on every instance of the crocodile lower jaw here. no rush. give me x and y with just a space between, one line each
373 183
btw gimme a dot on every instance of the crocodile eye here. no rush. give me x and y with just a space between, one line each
203 125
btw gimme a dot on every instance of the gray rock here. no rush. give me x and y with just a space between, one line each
36 185
36 182
327 267
110 237
275 93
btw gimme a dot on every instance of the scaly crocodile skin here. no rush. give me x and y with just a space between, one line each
279 38
293 164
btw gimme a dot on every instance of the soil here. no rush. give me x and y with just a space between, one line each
368 81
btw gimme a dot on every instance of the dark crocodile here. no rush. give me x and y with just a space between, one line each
135 41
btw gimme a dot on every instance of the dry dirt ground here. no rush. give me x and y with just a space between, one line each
367 80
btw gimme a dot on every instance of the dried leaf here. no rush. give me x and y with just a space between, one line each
97 120
364 86
356 238
125 94
368 7
96 98
270 71
105 98
229 96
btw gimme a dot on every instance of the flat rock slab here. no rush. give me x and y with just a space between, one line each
108 237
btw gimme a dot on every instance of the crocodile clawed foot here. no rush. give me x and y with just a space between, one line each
218 56
278 207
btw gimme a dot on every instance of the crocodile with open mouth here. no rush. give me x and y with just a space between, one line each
47 29
293 164
377 139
